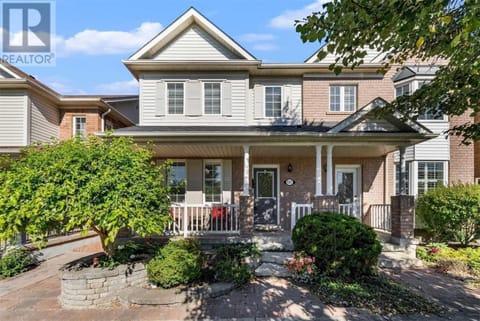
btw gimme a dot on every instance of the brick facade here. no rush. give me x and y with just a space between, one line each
316 94
93 121
463 158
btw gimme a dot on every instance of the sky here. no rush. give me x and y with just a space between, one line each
94 36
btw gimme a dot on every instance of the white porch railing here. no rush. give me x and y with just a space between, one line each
299 211
203 219
380 217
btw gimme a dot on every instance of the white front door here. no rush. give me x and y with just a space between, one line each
347 188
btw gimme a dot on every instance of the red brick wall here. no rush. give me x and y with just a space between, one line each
477 151
462 157
66 121
316 95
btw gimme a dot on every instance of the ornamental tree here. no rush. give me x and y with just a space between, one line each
95 184
425 30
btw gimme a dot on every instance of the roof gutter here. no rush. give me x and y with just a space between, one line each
109 110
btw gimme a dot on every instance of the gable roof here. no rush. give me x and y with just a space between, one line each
186 20
364 120
373 57
412 71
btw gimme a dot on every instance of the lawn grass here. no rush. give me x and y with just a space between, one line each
377 293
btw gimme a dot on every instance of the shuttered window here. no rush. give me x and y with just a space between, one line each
212 98
273 101
176 98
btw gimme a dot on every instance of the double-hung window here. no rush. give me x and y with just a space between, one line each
212 185
79 126
177 181
428 115
430 175
343 98
403 90
212 98
175 98
273 101
397 178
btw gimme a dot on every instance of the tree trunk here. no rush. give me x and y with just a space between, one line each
108 248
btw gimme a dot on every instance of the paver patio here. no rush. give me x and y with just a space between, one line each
34 296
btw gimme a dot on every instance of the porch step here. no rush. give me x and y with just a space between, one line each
398 260
273 242
272 269
390 247
276 257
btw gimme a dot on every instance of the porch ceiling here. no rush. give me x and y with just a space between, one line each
231 151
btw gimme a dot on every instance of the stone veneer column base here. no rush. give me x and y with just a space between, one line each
403 215
246 215
325 203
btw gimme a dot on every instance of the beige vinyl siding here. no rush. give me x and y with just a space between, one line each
195 44
13 109
150 116
45 120
437 148
290 87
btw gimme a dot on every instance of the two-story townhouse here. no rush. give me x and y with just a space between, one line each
251 140
32 112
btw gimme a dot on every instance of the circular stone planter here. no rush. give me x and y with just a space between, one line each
90 287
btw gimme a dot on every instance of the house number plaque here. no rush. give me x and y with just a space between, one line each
289 182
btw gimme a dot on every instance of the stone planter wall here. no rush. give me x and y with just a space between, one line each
96 287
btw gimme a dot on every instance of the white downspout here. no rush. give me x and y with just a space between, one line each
103 119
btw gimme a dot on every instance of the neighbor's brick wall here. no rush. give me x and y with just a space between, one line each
66 122
462 157
316 95
476 147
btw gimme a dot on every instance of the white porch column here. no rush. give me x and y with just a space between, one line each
246 170
318 171
329 170
403 172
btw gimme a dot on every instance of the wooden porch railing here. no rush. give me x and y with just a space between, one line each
203 219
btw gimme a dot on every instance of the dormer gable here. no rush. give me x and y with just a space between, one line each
192 37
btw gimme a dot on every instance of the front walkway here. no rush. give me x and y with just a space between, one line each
34 296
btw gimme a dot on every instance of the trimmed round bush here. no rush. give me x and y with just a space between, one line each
341 245
178 262
15 262
451 213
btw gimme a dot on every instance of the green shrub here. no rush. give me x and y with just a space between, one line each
15 262
451 213
340 244
445 256
178 262
227 264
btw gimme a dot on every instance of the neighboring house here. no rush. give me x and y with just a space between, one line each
32 112
256 145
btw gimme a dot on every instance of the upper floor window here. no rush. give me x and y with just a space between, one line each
428 115
177 181
212 98
175 97
79 126
343 98
430 175
212 186
403 90
273 101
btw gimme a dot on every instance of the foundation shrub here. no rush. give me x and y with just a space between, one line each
178 262
451 213
15 262
340 244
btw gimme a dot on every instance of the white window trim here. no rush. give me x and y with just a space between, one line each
414 175
186 177
203 97
74 118
410 177
206 162
166 96
414 83
342 98
265 101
